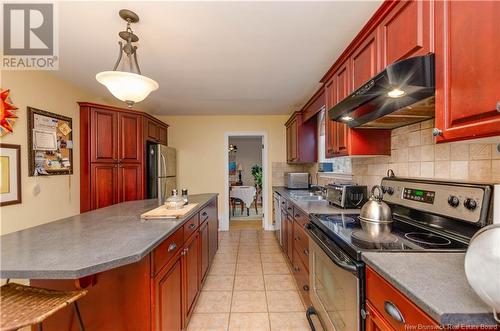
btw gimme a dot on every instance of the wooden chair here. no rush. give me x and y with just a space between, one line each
23 305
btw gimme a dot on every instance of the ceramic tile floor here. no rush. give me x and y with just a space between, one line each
249 287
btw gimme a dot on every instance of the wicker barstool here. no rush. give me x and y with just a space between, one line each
22 305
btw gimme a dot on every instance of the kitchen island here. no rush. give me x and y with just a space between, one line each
141 275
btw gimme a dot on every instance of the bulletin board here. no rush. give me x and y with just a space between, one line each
50 143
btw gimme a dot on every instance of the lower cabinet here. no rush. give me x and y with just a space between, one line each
190 264
289 235
204 250
168 297
388 309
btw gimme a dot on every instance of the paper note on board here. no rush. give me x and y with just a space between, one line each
44 123
65 129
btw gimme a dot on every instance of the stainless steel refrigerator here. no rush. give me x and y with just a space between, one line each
161 171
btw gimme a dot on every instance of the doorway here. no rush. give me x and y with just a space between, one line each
245 176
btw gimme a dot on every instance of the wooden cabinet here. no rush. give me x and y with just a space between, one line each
374 320
190 262
389 307
467 84
155 131
129 138
103 135
406 31
213 229
284 236
289 235
204 250
364 62
129 182
167 294
301 140
112 154
104 187
301 275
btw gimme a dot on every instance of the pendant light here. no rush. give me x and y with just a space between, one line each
129 86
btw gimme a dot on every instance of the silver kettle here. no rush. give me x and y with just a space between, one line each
376 215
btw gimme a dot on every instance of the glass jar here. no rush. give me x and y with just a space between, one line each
174 201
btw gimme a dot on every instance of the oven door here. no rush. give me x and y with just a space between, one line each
335 286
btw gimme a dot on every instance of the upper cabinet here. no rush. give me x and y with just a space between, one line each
365 61
301 140
406 31
467 67
112 159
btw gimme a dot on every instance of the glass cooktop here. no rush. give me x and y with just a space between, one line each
346 231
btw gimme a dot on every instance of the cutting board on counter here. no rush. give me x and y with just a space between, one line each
163 212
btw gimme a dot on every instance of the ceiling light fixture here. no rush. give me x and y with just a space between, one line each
346 118
129 86
396 93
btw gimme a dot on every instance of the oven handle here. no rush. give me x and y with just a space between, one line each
341 264
311 311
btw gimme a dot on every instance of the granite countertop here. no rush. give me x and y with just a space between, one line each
435 282
88 243
313 207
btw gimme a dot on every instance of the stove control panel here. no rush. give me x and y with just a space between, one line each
467 202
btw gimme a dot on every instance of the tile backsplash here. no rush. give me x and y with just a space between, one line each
415 154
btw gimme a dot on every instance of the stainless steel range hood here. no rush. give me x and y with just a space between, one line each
401 94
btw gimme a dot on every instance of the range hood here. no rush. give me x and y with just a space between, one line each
401 94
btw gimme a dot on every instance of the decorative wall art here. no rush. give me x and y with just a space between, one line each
7 113
10 174
50 143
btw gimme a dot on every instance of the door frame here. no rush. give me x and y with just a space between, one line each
224 226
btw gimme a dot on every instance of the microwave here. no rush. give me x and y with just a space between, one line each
346 195
297 180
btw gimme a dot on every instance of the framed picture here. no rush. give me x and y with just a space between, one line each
10 174
50 143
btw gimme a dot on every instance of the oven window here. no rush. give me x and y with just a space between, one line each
335 290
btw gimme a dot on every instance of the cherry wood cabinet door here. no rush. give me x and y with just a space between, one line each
163 135
374 320
407 31
204 250
104 135
292 141
130 138
283 231
213 230
168 298
104 187
364 61
289 235
130 182
467 67
342 90
329 125
191 274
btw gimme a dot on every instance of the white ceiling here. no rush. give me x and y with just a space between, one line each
214 57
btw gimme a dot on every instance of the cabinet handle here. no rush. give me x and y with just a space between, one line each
297 215
498 106
394 312
289 208
297 238
204 213
297 269
437 132
364 313
192 226
306 287
172 247
183 253
306 252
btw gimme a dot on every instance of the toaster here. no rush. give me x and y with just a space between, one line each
346 195
297 180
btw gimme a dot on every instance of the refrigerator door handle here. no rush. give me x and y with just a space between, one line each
163 170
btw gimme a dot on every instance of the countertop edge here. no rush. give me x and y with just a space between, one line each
441 318
105 266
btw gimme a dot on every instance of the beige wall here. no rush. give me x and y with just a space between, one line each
201 149
60 195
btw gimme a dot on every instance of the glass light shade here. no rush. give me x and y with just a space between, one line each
127 86
482 266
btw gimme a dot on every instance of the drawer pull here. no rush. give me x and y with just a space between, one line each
437 132
364 313
204 213
289 208
192 226
297 269
297 238
306 252
305 287
498 106
172 247
394 312
297 215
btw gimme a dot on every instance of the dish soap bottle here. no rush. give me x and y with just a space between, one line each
174 201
